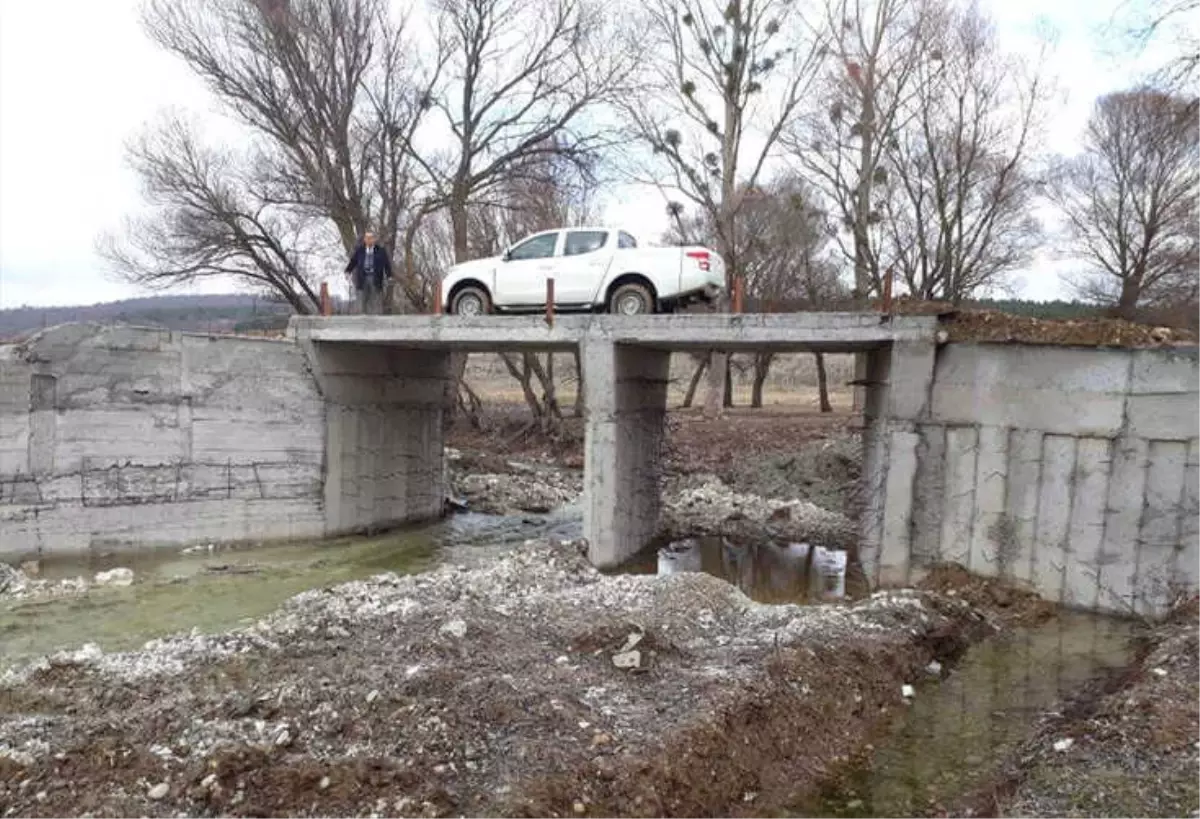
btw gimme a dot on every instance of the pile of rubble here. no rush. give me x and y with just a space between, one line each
16 584
712 508
529 685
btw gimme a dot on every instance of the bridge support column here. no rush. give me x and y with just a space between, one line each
383 433
625 407
900 381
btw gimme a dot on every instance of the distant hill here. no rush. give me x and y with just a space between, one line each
220 313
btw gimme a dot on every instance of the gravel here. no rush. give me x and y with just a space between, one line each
712 508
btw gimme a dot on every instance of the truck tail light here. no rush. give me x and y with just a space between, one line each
701 257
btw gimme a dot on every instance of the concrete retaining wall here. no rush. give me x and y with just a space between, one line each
118 436
1073 470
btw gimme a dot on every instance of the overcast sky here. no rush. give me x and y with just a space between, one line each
78 78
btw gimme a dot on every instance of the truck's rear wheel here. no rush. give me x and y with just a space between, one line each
631 300
471 301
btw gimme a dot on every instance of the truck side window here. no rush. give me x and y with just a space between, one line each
625 241
539 247
584 241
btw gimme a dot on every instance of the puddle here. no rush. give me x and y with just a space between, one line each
765 572
955 732
213 591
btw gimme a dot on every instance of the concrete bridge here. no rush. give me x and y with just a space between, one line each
384 379
1072 470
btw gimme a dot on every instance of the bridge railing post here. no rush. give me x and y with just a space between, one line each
326 302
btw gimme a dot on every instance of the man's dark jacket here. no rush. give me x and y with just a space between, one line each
383 265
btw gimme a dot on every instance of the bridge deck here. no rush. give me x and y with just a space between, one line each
781 332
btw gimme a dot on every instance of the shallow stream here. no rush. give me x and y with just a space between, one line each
223 588
956 731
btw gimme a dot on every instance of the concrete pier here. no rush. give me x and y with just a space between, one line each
625 406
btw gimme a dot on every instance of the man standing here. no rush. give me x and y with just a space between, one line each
370 268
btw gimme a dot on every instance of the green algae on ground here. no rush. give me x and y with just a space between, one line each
178 591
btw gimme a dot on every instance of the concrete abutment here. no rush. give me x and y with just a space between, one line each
383 433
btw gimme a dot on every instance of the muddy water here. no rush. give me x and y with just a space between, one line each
956 731
176 591
765 572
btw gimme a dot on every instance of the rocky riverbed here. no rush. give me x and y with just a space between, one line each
803 496
530 684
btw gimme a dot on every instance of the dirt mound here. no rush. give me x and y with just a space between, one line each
1012 605
823 473
981 325
709 507
532 685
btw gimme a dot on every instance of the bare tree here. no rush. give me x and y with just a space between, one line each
524 79
210 220
957 184
1129 200
330 97
787 265
783 247
863 99
721 80
1167 27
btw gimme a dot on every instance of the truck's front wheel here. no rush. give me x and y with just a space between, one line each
631 300
471 301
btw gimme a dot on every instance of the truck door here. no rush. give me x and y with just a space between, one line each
585 259
521 277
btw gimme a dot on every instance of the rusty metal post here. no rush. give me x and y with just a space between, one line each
887 290
437 297
326 302
739 291
550 302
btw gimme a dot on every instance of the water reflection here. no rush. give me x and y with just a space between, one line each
955 733
766 572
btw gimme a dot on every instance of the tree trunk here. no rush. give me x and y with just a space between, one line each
524 378
578 385
701 366
762 367
458 223
451 393
549 392
714 401
823 383
1130 291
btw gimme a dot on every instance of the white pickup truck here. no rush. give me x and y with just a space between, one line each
592 268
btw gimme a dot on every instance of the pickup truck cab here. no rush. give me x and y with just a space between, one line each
592 268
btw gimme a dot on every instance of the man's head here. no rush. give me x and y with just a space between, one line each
369 239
